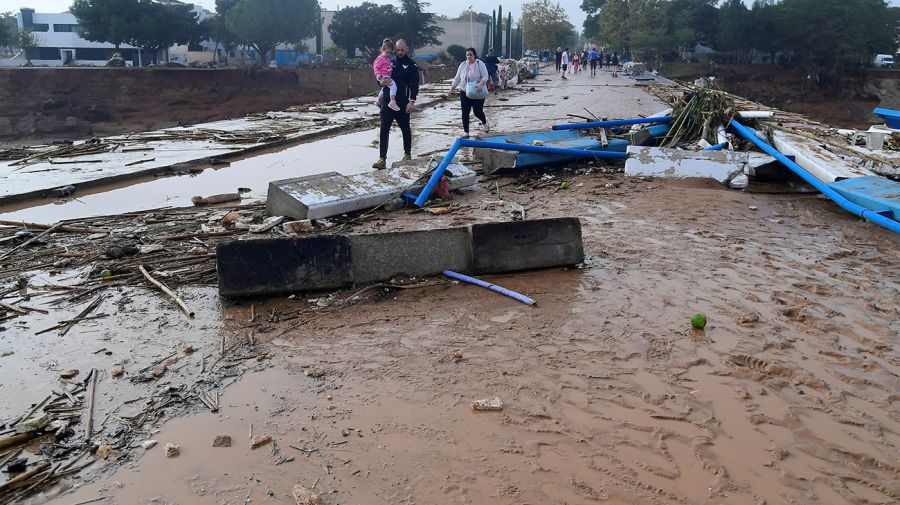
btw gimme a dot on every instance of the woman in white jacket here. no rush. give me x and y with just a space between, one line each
472 71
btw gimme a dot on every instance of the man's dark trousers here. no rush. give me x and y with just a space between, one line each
388 116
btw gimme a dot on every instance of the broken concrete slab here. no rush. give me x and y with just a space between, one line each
411 254
332 194
823 162
524 245
727 167
256 267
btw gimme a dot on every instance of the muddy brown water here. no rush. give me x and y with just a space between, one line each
789 395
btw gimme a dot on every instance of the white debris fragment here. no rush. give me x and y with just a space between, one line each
490 404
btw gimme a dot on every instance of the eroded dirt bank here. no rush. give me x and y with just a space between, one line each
847 103
38 104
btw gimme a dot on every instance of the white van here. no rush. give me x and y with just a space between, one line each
883 61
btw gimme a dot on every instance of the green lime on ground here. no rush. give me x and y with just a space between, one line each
698 321
106 273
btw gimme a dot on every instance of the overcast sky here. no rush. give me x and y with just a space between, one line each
447 7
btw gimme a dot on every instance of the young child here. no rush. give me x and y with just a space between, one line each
383 67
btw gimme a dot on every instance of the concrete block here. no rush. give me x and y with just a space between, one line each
524 245
414 254
332 194
723 166
256 267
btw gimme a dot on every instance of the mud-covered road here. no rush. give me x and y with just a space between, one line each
790 394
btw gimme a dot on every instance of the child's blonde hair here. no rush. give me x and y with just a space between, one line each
387 45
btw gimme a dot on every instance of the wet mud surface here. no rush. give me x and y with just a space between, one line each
789 395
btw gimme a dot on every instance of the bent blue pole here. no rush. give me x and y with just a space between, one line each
493 287
523 148
612 122
717 147
859 210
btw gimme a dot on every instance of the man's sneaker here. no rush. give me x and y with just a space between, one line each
393 105
407 157
486 126
381 164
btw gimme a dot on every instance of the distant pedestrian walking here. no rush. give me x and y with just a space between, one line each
558 59
594 57
615 64
576 61
473 75
565 62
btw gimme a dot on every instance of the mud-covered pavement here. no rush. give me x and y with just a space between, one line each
788 396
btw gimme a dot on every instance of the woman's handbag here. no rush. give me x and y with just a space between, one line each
473 93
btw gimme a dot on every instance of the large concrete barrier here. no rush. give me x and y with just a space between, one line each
258 267
271 266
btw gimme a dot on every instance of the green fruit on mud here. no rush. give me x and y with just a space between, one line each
106 274
698 321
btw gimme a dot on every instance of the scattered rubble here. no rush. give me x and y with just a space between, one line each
172 450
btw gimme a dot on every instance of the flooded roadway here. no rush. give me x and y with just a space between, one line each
433 129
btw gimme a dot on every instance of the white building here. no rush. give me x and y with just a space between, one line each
59 42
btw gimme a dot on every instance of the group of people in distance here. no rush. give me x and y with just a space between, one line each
398 76
578 61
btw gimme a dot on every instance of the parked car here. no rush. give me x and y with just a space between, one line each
883 61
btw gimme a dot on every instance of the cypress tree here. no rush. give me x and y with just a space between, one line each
509 36
498 37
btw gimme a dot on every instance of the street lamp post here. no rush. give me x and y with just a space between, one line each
471 29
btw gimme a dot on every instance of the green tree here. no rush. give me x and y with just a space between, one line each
498 32
8 29
650 36
457 52
477 17
734 26
615 19
215 27
263 24
493 27
509 35
364 27
158 26
27 42
106 20
830 36
591 25
546 25
418 27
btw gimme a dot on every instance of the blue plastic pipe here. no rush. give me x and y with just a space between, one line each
717 147
523 148
826 190
612 122
493 287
